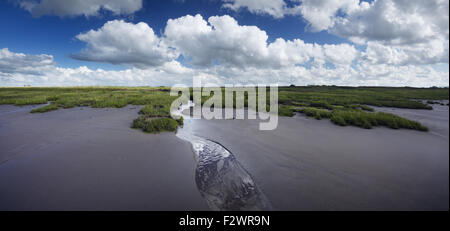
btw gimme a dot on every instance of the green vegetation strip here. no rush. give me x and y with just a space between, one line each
342 105
363 119
50 107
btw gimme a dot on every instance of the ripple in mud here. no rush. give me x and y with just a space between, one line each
224 183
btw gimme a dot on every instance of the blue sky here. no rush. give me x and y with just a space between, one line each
56 36
334 26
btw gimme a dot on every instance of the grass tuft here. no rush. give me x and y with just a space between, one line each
47 108
316 113
368 120
285 111
155 125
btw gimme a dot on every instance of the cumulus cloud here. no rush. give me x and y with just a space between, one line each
395 22
321 14
79 7
390 21
11 62
396 32
119 42
399 32
435 51
221 40
222 51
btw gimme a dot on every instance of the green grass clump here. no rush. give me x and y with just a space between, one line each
321 104
339 120
47 108
316 113
366 108
359 119
156 118
30 101
344 116
180 121
368 120
156 110
155 125
285 111
113 102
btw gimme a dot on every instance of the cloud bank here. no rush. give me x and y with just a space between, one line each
403 31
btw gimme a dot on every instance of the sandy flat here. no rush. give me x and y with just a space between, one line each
90 159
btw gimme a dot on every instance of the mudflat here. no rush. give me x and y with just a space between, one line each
307 164
436 119
90 159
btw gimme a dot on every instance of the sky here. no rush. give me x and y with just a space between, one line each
167 42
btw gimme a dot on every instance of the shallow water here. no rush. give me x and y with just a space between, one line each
220 178
309 164
90 159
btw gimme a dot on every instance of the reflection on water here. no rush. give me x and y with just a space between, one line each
220 178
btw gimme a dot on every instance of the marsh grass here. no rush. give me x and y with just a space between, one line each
363 119
368 120
155 125
287 111
47 108
366 108
351 105
30 101
323 96
316 113
320 104
156 118
154 115
156 110
343 105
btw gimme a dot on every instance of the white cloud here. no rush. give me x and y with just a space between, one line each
342 54
389 21
80 7
46 73
119 42
223 51
11 62
396 32
399 32
275 8
321 14
396 22
218 41
49 74
221 40
435 51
